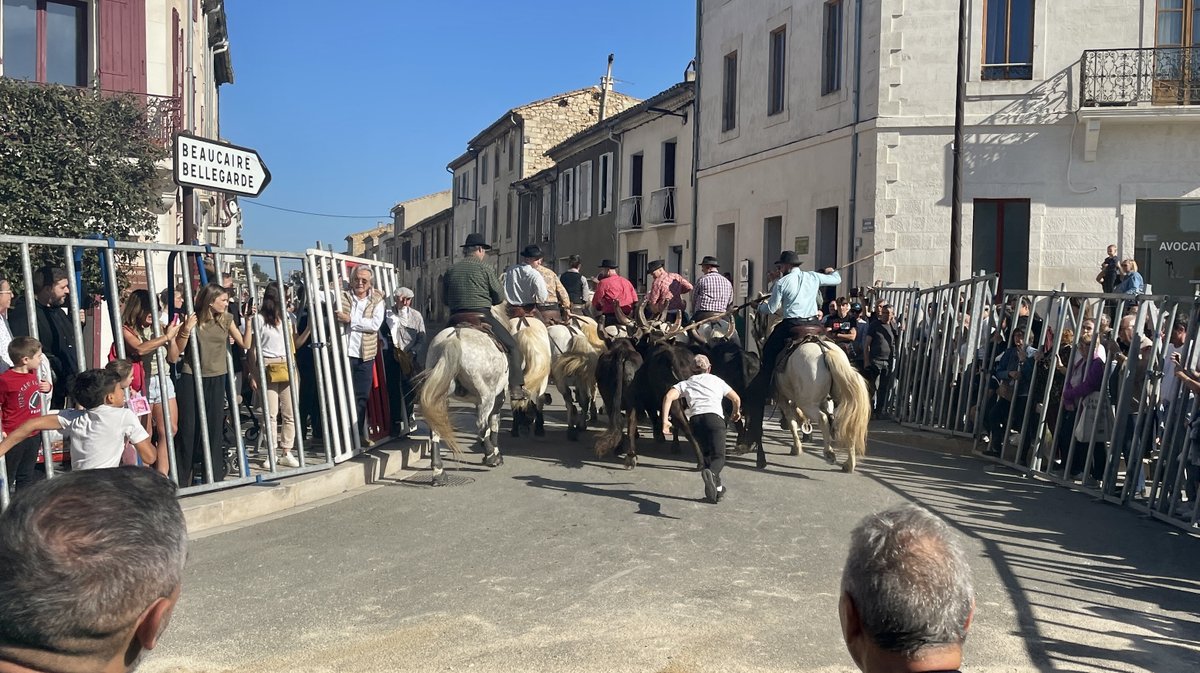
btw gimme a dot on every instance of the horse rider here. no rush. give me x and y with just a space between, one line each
472 287
524 288
666 291
558 303
613 293
576 284
713 292
798 294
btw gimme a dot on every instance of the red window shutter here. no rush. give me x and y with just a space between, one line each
122 37
176 55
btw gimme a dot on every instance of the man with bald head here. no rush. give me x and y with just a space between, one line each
92 565
907 599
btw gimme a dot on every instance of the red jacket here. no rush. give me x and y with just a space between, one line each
614 288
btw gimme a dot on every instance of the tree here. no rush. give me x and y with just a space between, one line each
74 163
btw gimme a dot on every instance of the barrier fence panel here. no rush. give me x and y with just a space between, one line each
214 430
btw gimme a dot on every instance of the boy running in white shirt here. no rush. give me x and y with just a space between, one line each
704 394
98 433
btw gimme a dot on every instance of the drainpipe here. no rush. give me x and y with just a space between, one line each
853 214
696 139
189 96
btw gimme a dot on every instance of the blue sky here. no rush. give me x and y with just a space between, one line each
353 111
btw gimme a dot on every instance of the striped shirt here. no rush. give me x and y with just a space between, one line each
714 292
667 292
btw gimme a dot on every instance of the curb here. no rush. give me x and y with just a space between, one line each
396 458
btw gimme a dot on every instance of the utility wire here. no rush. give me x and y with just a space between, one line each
305 212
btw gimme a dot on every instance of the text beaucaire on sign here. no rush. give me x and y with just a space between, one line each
219 166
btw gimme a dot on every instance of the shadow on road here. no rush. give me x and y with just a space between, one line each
1118 570
640 498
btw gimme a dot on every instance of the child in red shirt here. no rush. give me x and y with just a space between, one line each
21 396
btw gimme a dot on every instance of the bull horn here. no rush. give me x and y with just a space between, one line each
620 316
640 314
678 321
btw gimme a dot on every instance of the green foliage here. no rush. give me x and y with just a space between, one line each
73 163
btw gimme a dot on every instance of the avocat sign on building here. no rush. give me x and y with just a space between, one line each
219 166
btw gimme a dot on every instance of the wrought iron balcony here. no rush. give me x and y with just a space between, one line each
662 206
629 213
164 114
1157 76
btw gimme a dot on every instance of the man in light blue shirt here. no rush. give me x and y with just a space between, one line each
797 294
524 286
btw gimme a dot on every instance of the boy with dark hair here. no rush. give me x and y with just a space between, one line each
21 399
97 433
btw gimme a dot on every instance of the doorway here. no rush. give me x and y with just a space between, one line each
827 248
1000 241
772 244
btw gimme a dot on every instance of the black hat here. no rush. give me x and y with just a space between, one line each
532 252
709 260
789 257
607 264
476 241
655 265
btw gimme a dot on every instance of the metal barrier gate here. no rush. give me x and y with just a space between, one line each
310 288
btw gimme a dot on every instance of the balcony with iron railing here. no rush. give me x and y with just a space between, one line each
662 206
629 213
1155 76
164 114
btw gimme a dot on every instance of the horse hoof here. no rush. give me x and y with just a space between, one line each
438 480
546 399
830 457
630 461
795 451
848 467
761 462
494 460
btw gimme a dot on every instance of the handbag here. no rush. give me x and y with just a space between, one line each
1094 409
277 372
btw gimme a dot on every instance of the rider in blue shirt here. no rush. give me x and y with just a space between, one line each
797 295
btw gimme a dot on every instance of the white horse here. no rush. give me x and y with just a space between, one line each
533 340
472 358
576 349
814 375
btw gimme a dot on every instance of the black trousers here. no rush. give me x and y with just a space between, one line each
760 386
516 363
709 430
880 375
21 462
189 445
309 415
362 375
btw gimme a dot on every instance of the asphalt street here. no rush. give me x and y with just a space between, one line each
558 561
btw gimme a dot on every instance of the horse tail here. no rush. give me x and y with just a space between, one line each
591 331
534 342
852 414
434 399
574 364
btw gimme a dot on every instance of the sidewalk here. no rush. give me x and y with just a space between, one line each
390 459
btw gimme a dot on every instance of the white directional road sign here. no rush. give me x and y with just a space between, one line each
221 167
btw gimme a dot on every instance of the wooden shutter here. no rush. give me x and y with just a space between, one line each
585 190
122 40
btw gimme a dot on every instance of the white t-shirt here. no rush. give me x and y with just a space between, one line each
703 393
98 435
274 346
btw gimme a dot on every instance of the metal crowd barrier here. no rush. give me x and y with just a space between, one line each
1091 403
312 280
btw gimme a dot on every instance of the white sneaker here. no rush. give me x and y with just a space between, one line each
288 460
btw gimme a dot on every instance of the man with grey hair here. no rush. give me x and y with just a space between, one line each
404 339
93 562
362 311
704 393
907 599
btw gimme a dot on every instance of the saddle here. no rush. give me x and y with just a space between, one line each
474 320
800 335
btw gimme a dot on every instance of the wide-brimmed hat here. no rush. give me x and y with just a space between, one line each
532 252
709 260
476 241
608 264
655 265
789 257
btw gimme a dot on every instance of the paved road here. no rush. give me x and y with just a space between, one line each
560 562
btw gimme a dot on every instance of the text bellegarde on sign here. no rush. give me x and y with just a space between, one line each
210 164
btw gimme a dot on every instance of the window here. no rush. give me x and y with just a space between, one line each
46 41
509 220
512 151
483 168
495 237
729 93
496 162
1008 39
566 196
545 210
482 221
831 49
778 71
584 181
606 183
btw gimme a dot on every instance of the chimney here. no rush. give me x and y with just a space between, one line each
606 83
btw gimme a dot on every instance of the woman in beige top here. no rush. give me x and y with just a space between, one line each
213 328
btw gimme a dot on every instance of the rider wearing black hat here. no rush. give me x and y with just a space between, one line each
797 295
471 286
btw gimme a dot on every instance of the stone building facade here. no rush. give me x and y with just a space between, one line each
831 134
513 148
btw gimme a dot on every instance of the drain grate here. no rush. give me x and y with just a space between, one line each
426 479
